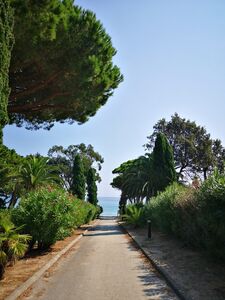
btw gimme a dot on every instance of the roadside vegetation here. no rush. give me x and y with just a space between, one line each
189 205
56 66
36 209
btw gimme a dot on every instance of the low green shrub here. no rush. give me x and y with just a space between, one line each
50 214
211 216
195 216
134 215
12 244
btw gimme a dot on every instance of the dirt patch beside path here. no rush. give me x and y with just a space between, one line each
196 276
31 263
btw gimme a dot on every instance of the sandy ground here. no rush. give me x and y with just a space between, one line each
104 265
197 276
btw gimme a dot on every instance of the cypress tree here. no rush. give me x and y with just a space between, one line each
92 187
78 185
6 42
163 164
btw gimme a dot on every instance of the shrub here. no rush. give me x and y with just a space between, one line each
161 210
211 217
134 215
12 244
51 214
195 216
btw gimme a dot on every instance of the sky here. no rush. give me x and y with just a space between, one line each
172 56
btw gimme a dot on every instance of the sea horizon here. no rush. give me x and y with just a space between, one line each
109 204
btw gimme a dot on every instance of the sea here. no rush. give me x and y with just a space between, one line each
110 205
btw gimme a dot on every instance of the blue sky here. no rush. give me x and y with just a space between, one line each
172 56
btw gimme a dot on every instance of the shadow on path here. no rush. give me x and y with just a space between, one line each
108 217
104 233
154 287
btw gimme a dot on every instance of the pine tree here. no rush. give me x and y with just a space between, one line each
6 41
92 187
78 185
163 164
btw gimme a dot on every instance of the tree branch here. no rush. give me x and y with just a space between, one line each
18 95
36 106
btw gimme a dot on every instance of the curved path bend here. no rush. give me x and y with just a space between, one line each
104 265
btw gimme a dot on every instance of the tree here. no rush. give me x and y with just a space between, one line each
61 67
163 164
32 173
134 179
194 151
10 163
35 172
78 185
6 42
64 159
92 187
142 178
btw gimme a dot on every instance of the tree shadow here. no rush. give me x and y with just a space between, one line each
154 285
105 228
108 217
104 233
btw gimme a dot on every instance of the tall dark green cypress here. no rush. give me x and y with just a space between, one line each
6 42
163 164
92 187
79 181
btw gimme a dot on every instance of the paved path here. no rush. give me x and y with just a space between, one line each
104 266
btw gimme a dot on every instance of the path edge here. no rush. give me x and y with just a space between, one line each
37 275
161 271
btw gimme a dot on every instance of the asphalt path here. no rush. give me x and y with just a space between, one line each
104 265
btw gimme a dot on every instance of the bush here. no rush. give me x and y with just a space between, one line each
134 215
12 244
211 216
195 216
161 209
51 214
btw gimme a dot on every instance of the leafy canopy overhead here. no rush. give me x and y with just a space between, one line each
61 67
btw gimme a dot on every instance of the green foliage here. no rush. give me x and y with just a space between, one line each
163 164
194 151
62 64
195 216
79 181
143 177
99 211
92 187
64 159
135 178
10 162
35 171
211 217
6 42
50 214
161 210
12 244
134 215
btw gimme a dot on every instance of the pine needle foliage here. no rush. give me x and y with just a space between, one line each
79 181
92 187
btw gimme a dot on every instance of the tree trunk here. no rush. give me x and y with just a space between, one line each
205 173
13 199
